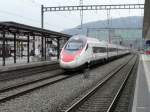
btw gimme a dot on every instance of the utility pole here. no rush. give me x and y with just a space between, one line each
42 16
108 25
81 12
87 32
43 44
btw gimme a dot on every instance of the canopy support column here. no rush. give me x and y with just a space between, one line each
15 48
58 47
28 47
42 48
3 49
45 47
33 45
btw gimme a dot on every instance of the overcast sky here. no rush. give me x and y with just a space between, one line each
28 12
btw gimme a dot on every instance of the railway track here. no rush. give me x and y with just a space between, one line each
19 89
14 72
103 97
35 79
125 100
26 87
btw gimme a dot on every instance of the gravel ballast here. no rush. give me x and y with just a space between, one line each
54 97
13 82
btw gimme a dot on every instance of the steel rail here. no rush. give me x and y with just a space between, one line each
23 85
111 107
4 89
26 70
92 91
25 89
28 82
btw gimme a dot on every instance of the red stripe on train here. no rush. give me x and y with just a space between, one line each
68 57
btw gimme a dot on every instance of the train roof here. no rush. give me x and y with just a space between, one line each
85 39
96 41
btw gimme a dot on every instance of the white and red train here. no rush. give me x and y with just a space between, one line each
81 51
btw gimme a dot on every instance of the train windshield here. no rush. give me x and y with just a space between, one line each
74 45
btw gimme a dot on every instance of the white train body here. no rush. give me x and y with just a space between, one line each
80 51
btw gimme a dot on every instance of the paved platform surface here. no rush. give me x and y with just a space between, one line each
22 62
141 101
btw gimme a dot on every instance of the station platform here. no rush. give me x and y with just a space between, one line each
141 102
18 66
22 63
18 70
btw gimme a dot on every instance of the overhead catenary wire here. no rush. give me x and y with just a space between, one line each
33 2
39 5
81 12
27 18
23 17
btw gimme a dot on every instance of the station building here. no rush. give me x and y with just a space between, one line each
146 27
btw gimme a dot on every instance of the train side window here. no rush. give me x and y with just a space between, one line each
99 49
111 49
86 47
102 49
95 49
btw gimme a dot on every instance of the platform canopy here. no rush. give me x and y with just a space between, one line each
16 32
22 29
146 24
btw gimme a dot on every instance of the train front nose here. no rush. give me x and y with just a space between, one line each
68 61
70 52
